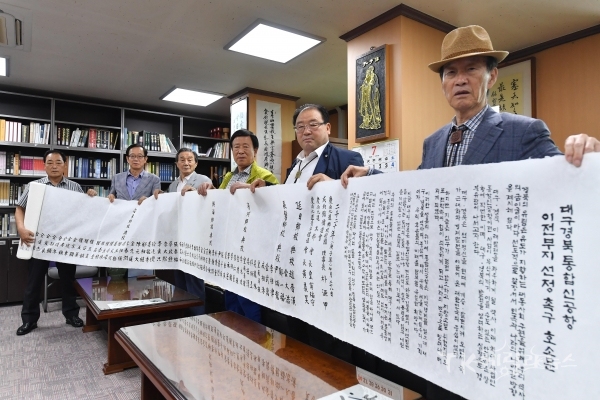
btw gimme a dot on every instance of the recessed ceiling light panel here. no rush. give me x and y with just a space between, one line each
3 66
192 97
274 42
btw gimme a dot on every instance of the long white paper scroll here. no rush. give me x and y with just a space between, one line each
481 279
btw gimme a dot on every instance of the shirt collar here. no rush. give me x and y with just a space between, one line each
316 153
62 180
141 174
247 170
187 178
474 121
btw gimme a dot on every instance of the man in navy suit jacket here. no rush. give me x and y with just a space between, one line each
319 160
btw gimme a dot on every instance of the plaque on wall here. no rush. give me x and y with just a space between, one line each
372 95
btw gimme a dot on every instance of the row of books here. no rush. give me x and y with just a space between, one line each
151 141
166 171
91 138
12 163
33 132
10 192
8 226
83 167
218 150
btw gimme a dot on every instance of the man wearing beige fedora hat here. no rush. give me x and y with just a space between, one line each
477 133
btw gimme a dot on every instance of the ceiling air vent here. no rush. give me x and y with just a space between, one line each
15 27
11 32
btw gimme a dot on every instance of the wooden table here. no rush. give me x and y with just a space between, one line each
104 296
227 356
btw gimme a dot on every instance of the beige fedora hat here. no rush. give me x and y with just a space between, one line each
467 41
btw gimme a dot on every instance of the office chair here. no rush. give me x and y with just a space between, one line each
81 271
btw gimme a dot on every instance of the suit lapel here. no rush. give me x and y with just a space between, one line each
439 148
486 135
323 163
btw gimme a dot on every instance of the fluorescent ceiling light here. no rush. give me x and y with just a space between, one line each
193 97
274 42
3 66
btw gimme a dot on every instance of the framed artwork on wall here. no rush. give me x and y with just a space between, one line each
372 95
514 91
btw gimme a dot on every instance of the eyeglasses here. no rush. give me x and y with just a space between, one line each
312 126
136 157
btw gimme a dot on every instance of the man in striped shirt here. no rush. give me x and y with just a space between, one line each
54 164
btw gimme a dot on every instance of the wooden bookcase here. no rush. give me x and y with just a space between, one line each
72 115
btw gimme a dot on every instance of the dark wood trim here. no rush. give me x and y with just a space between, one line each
151 372
248 90
399 10
532 50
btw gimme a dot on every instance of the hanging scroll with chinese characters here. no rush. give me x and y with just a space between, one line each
239 120
481 279
372 95
514 91
268 131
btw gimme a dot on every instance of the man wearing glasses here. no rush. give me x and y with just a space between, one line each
135 184
319 160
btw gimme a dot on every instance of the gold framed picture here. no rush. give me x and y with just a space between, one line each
372 95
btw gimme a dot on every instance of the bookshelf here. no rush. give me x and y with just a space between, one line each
151 129
90 136
52 123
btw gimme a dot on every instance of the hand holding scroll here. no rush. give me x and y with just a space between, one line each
317 178
238 185
577 145
204 188
353 172
257 184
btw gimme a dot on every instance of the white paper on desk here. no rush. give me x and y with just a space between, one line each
114 305
358 392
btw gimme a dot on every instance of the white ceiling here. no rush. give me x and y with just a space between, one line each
134 51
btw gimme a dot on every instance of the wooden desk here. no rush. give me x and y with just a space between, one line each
227 356
103 296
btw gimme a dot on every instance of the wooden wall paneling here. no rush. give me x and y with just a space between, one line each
423 105
567 91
